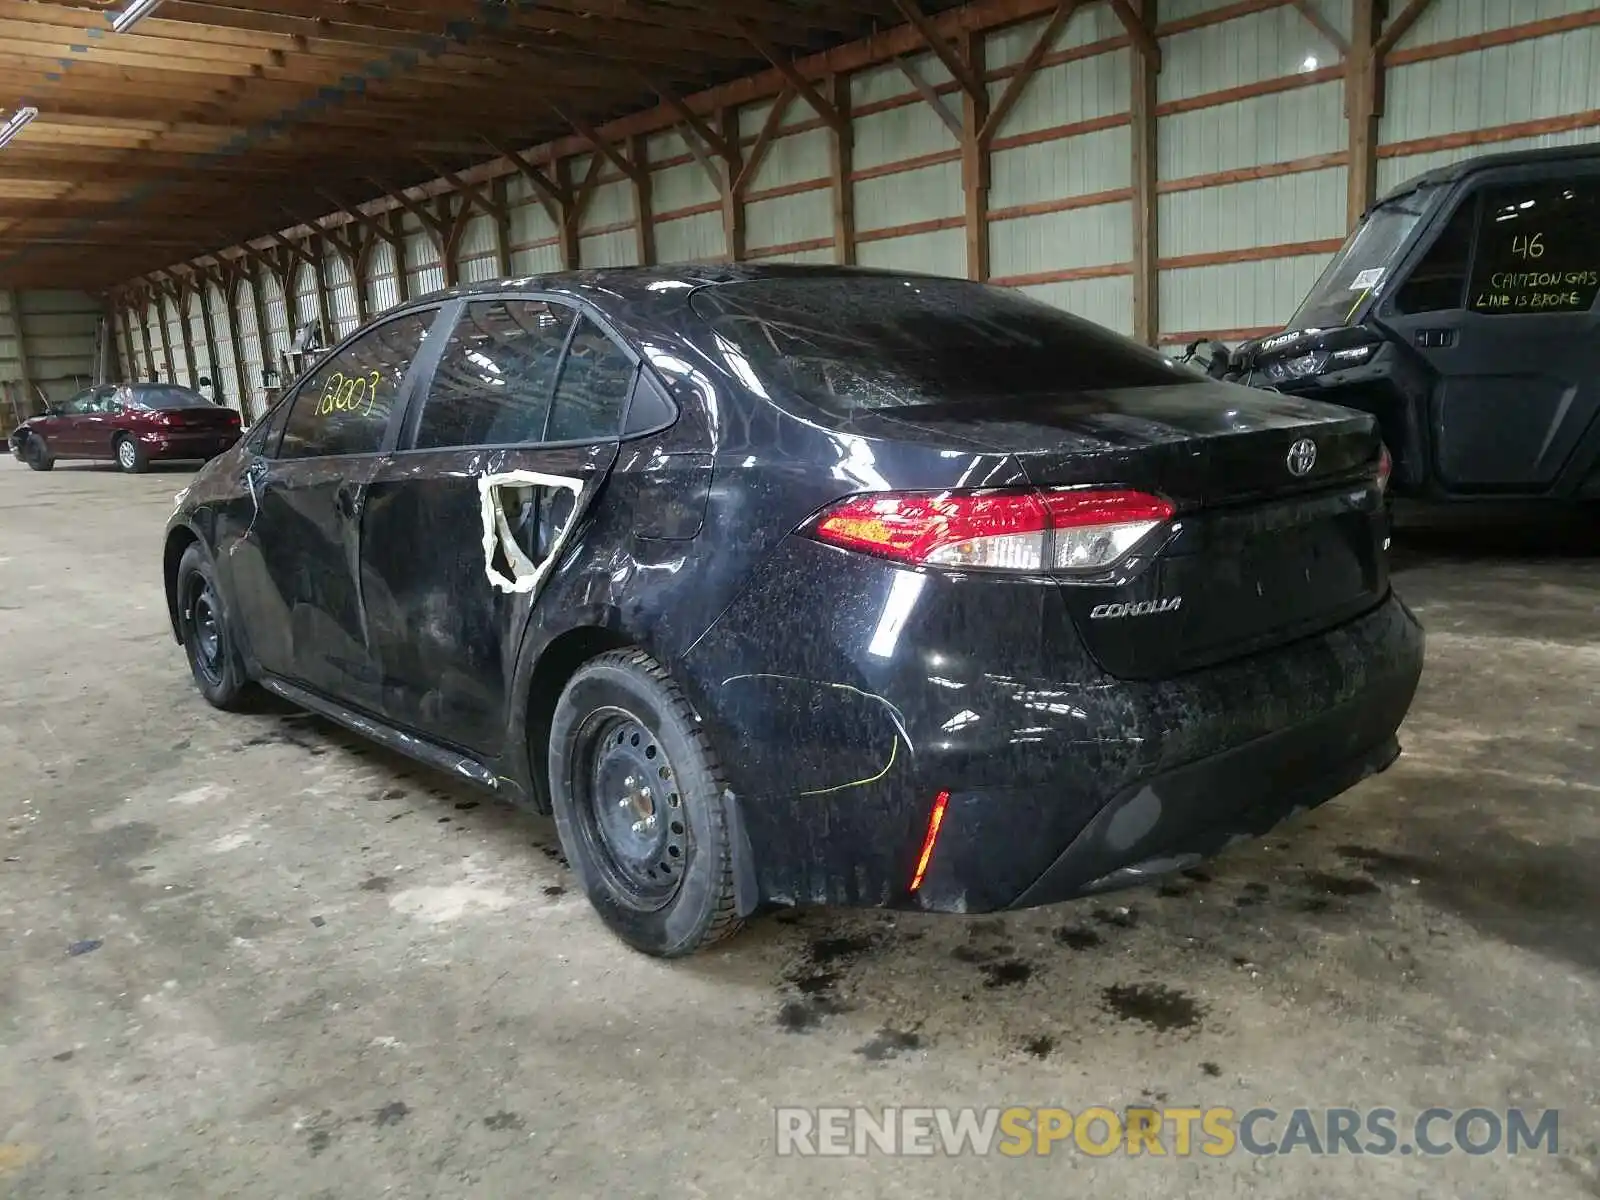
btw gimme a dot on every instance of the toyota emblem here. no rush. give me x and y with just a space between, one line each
1302 457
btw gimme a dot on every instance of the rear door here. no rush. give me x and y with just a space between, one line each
505 449
292 554
1499 302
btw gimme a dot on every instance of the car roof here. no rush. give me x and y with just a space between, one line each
661 288
1451 172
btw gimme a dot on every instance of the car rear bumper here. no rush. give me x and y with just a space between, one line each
168 445
1061 780
1178 818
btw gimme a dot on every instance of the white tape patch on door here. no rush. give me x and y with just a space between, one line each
527 575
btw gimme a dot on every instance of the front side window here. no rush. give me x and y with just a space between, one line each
344 407
1538 248
494 381
1439 281
595 381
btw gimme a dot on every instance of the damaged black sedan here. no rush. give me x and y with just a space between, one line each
810 586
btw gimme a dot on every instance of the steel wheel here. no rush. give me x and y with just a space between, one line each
202 616
630 808
127 454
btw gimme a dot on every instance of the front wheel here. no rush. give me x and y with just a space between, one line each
36 453
637 792
130 456
207 639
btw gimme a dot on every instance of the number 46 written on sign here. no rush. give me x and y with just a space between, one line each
1528 245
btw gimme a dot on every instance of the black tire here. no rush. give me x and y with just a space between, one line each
36 453
129 454
668 890
207 637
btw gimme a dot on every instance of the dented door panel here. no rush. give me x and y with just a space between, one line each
458 546
293 570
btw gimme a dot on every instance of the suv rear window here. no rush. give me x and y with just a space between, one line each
847 343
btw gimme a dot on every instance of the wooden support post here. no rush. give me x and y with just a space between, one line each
502 227
1363 103
397 239
734 179
567 221
258 267
1361 108
229 276
975 159
1146 223
183 298
319 278
841 163
126 310
166 334
203 286
144 336
644 216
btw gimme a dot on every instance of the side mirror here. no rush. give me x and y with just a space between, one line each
1220 358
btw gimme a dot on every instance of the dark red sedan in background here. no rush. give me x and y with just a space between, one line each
133 424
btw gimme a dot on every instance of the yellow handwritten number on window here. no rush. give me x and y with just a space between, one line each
342 394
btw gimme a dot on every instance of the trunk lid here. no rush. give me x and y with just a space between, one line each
1272 540
196 418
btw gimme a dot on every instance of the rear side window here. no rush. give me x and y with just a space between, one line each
1538 248
493 384
845 344
595 381
344 407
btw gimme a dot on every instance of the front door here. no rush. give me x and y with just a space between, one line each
65 429
503 453
94 428
291 549
1501 306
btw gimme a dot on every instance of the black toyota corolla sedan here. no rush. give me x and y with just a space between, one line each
810 586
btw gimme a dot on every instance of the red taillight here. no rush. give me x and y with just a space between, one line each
1052 530
935 819
1385 467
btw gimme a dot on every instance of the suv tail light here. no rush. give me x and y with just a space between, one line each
1068 529
1385 468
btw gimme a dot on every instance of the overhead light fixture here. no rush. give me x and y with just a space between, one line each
14 125
136 11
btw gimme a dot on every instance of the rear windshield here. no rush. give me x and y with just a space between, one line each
848 343
169 397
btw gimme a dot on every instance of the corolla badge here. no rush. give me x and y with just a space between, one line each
1302 457
1137 608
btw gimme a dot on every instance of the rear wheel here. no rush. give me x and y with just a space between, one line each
130 455
36 453
207 639
637 793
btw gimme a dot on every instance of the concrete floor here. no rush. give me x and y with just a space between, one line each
325 973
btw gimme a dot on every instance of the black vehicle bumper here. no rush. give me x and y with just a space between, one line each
1060 780
1175 820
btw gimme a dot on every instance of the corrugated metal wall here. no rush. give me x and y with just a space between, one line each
50 337
1252 165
